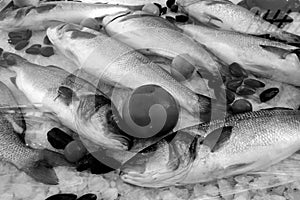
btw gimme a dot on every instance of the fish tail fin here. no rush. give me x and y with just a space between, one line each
54 159
42 170
289 38
280 174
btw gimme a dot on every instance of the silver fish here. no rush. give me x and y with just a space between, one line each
115 63
51 13
36 163
266 58
226 15
239 144
7 100
153 35
127 2
75 102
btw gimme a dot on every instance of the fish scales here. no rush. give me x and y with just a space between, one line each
51 13
249 142
12 148
153 35
75 102
226 15
36 163
270 59
118 64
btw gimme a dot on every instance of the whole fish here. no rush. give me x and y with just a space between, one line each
36 163
51 13
127 2
154 35
75 102
266 58
239 144
229 16
118 64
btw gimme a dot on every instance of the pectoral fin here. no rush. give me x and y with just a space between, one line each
280 52
66 94
217 138
13 80
213 21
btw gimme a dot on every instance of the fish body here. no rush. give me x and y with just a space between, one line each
153 35
127 2
51 13
229 16
8 100
36 163
74 101
266 58
242 143
115 63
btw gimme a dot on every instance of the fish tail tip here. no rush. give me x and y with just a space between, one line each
292 38
54 159
43 173
42 170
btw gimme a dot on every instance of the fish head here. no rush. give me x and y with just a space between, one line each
66 38
98 122
164 163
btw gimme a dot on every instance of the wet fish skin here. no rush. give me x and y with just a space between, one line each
36 163
53 13
16 118
229 16
266 58
153 35
248 142
127 2
75 102
122 66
